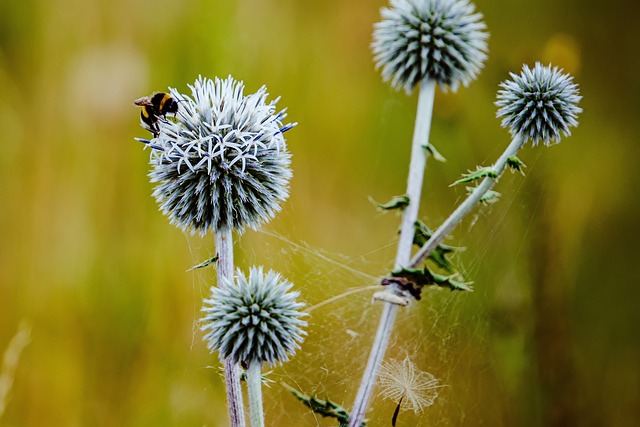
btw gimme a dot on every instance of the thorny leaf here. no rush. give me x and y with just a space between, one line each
326 408
488 198
421 235
398 202
421 277
204 263
264 376
516 164
479 173
434 153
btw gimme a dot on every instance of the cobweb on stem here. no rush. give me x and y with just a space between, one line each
447 336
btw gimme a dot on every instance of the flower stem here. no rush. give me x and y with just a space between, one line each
410 215
254 387
417 166
224 249
465 207
235 404
380 344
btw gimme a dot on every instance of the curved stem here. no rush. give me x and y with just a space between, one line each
465 207
254 386
235 404
410 215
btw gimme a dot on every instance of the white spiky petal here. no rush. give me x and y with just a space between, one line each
223 162
255 319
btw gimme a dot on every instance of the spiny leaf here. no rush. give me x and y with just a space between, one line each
421 277
488 198
264 376
516 164
434 153
479 173
326 408
421 235
398 202
204 263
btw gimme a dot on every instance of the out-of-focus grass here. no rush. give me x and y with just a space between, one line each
100 274
10 360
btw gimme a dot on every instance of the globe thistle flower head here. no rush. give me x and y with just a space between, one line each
443 40
540 104
256 319
223 162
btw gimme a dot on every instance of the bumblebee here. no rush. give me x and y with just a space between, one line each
155 107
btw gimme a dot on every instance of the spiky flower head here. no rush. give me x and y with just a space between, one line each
540 104
222 163
442 40
255 319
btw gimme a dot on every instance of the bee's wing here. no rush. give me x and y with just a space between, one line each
141 102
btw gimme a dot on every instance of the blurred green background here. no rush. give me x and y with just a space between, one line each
549 337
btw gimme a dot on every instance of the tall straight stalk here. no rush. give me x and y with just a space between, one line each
235 405
417 166
410 215
254 386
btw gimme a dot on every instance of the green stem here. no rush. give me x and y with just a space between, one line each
235 404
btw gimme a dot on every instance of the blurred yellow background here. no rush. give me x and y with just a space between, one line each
551 334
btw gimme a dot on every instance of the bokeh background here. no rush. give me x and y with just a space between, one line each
97 276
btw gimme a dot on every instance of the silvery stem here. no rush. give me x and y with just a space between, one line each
254 386
235 405
410 215
466 206
417 166
378 349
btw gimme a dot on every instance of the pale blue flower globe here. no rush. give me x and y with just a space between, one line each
254 319
539 104
442 40
222 162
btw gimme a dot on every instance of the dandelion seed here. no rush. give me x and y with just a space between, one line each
403 383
